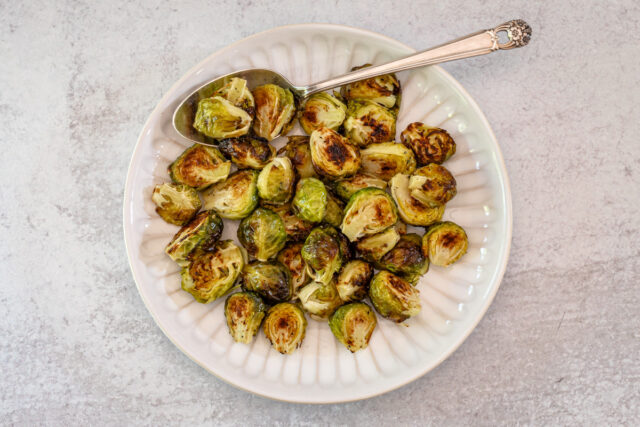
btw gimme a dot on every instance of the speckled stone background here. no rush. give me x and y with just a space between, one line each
559 345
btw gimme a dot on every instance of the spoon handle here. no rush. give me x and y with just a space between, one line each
518 34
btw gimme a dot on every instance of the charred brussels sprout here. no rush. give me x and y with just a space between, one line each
444 243
369 123
297 229
237 92
210 275
387 159
199 166
393 297
310 201
320 300
270 280
430 145
276 181
285 327
333 156
353 324
353 280
247 152
433 185
346 187
275 110
333 216
369 211
244 312
322 110
204 230
234 198
291 257
406 259
384 90
375 246
298 151
262 234
322 254
411 210
219 119
176 203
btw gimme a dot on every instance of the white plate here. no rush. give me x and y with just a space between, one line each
322 370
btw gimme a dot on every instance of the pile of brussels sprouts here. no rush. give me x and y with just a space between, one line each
319 232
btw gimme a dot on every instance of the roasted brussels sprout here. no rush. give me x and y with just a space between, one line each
176 203
276 181
353 324
321 252
430 145
244 312
275 110
411 210
320 300
247 152
291 257
346 251
346 187
333 156
387 159
234 198
310 201
369 211
444 243
262 234
210 275
297 228
334 212
322 110
406 259
237 92
298 151
199 166
284 327
375 246
433 185
271 280
204 230
353 280
393 297
219 119
385 90
369 123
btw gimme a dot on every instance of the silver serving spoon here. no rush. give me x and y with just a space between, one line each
518 34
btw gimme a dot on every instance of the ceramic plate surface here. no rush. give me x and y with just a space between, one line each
322 370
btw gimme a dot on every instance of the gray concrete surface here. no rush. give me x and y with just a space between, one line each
559 345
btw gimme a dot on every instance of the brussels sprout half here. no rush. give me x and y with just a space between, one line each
430 145
176 203
271 280
296 228
369 211
310 201
210 275
234 198
298 151
237 92
345 188
199 166
333 156
387 159
375 246
203 230
353 280
247 152
291 257
433 185
369 123
275 110
322 110
322 254
262 234
384 90
285 327
353 324
444 243
219 119
406 259
393 297
276 181
244 312
411 210
333 215
320 300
